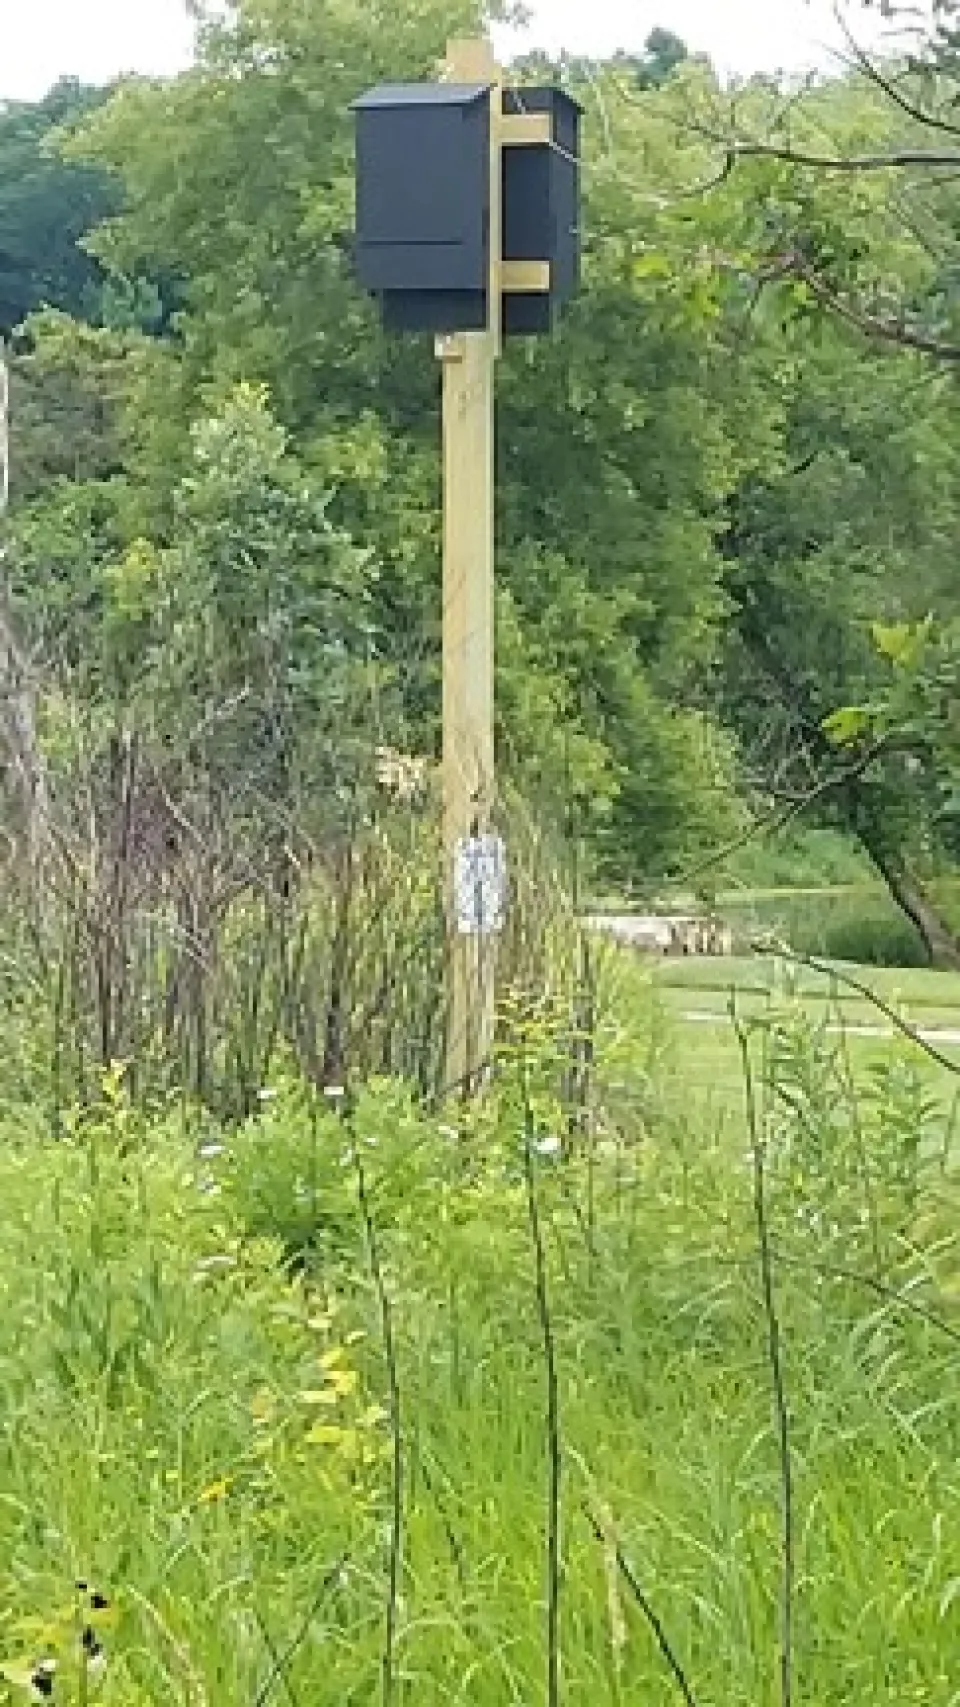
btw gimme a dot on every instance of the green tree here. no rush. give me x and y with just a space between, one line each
47 205
618 450
847 230
239 646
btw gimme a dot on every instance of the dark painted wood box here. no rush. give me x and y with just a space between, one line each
423 203
541 207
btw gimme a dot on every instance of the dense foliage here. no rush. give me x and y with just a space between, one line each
713 480
46 207
289 1400
635 1378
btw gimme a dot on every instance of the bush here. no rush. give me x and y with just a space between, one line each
855 924
872 939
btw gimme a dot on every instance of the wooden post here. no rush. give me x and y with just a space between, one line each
468 362
430 247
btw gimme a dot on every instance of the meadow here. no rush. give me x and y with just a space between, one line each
832 1007
632 1398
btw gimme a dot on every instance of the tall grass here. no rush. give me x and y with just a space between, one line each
528 1453
204 975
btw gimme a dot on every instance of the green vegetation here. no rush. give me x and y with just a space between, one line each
46 207
636 1379
200 1405
722 511
855 1039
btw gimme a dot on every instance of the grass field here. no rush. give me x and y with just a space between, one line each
696 996
918 989
337 1410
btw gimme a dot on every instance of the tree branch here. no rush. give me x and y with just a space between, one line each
779 819
850 982
872 72
885 160
872 325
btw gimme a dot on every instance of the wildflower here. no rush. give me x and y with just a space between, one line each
216 1491
548 1146
42 1680
95 1658
210 1152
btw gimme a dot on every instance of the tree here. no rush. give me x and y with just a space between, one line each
884 139
663 52
47 205
856 529
849 238
617 458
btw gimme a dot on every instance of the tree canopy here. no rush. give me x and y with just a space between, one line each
47 206
735 459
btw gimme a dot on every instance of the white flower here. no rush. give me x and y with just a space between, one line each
548 1146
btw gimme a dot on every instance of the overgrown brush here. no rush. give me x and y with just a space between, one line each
356 1402
206 965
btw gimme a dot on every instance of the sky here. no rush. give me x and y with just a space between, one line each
95 40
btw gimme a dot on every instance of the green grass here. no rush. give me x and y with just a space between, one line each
916 987
705 1069
205 1434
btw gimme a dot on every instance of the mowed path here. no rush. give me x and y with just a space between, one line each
929 1034
695 993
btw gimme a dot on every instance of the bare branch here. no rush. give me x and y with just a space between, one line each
712 183
872 71
885 161
850 982
779 819
775 1353
872 325
554 1450
792 264
751 148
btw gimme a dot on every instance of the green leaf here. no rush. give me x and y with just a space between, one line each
901 642
848 723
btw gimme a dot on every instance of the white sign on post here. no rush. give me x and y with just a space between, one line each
480 885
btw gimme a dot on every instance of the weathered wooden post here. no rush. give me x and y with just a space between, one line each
468 228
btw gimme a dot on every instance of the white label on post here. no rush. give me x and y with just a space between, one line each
480 885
